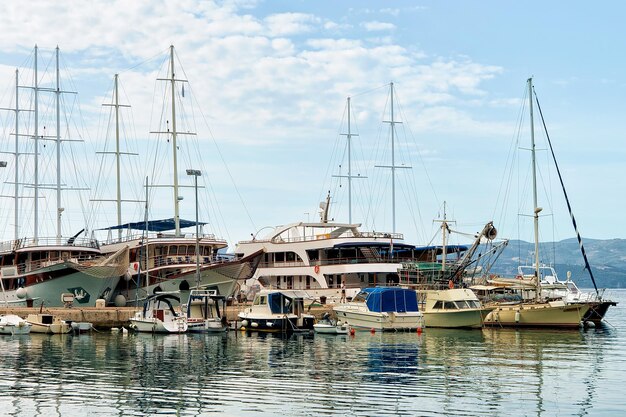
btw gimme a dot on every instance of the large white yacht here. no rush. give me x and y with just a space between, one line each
319 257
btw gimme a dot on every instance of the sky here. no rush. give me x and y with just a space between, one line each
268 82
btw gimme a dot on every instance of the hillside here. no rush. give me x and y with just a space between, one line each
607 259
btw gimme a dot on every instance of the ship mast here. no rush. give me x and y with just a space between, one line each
174 134
118 153
536 209
393 165
349 136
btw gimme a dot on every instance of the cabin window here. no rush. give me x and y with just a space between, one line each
173 250
438 305
279 256
260 300
313 254
330 281
278 282
290 256
191 250
450 305
54 255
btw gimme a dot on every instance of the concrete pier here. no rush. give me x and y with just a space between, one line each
109 317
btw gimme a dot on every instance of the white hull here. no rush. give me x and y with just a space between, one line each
453 308
14 325
362 319
45 323
205 326
153 325
324 328
553 314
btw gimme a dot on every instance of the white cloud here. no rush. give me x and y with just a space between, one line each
291 23
271 87
378 26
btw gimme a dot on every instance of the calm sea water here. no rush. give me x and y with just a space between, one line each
489 372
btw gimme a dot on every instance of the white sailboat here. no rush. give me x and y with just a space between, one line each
40 269
163 257
550 313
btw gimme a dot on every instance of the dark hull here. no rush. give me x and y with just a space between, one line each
597 311
279 325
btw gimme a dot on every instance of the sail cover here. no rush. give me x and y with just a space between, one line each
155 225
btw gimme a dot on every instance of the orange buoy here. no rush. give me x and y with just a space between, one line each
352 332
372 330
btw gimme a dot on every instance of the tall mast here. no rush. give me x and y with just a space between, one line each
17 152
58 140
36 202
176 202
117 159
172 80
393 166
536 209
349 168
118 153
349 136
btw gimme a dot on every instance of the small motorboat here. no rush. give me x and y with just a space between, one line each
330 327
159 315
81 327
47 323
203 312
12 324
281 311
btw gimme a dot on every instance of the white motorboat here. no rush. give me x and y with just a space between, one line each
382 308
48 323
14 325
159 315
204 314
328 326
278 311
453 308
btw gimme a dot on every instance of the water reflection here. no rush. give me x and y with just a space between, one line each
490 372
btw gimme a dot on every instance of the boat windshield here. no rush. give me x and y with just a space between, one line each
360 297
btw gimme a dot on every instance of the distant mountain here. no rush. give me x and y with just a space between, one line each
606 257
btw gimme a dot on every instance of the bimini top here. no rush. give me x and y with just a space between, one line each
389 299
155 225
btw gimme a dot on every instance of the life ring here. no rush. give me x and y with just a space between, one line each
316 269
135 266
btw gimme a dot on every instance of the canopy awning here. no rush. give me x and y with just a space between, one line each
155 225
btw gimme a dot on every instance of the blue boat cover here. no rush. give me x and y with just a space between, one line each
155 225
390 299
279 303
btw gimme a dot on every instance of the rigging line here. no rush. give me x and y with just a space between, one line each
158 54
569 207
370 90
219 152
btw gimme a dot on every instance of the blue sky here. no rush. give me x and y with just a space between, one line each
271 79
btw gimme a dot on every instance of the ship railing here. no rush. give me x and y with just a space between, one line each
25 267
326 236
334 261
78 242
155 236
